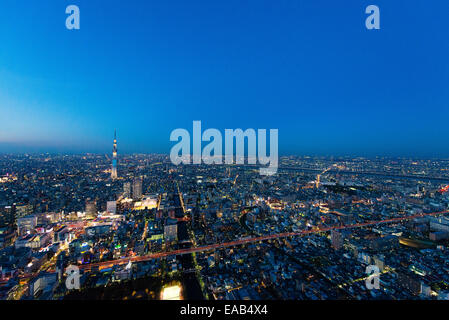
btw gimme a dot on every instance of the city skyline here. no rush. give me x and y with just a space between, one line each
160 231
310 69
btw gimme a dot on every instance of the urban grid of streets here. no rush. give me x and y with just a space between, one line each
160 231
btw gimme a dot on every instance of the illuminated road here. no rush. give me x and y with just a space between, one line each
247 240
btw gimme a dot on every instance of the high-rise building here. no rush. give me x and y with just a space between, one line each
26 224
114 158
91 208
336 239
171 232
111 207
7 216
127 190
137 188
23 210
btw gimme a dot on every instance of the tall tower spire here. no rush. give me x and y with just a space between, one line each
114 157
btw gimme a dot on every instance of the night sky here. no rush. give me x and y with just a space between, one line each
309 68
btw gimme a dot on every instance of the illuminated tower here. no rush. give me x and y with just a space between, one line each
114 158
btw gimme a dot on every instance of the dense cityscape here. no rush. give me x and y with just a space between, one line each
139 227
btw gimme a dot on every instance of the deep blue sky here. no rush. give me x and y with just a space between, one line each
307 67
